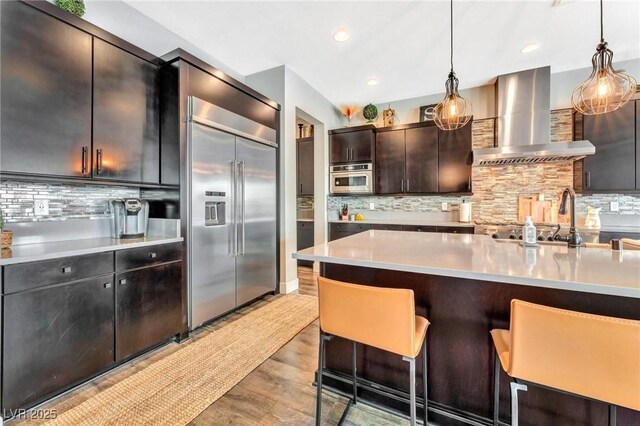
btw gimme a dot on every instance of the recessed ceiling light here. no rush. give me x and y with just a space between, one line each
372 82
531 47
341 34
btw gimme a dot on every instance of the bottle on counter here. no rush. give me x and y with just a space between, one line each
529 232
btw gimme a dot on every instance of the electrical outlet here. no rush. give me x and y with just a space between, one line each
372 206
41 207
445 207
614 206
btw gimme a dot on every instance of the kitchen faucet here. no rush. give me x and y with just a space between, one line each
573 239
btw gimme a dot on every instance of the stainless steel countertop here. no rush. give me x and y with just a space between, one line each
53 250
479 257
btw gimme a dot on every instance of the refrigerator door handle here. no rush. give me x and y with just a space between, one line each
233 230
242 201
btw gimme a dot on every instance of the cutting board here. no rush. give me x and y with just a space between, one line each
540 210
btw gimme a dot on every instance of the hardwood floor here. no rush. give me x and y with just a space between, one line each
279 392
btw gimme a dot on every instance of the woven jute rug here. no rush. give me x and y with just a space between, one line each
175 389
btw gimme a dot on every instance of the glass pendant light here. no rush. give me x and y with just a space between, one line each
606 89
454 111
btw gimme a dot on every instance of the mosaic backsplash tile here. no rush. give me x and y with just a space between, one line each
496 188
66 201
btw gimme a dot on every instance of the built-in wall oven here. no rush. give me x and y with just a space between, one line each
352 179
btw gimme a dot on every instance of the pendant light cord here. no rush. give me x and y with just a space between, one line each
452 34
601 23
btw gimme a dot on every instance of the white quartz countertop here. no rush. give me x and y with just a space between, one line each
43 251
479 257
407 222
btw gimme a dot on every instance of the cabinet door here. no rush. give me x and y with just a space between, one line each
613 165
148 307
356 146
422 159
305 167
45 81
454 160
126 120
55 337
390 161
638 145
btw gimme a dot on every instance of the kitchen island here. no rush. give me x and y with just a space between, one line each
464 284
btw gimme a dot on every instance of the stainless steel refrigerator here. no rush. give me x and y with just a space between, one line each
231 247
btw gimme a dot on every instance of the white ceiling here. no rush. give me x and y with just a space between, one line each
405 45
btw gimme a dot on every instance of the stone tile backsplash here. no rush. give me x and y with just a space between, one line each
66 201
496 188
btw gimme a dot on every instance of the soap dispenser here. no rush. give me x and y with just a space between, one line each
529 233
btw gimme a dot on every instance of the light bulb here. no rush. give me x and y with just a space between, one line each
603 87
453 108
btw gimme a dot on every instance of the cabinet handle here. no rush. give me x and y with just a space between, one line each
123 281
469 184
106 285
588 179
301 188
66 270
407 185
401 185
152 255
99 161
85 151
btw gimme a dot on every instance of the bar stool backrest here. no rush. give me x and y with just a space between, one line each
380 317
589 355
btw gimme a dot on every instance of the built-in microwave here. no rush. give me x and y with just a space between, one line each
352 179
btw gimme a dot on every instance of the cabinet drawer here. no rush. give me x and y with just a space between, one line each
419 228
148 256
383 227
350 227
26 276
305 225
456 229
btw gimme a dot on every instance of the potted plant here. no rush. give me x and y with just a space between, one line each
7 236
73 6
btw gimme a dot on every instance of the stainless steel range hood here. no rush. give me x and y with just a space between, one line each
523 124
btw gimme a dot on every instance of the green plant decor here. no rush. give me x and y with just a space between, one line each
370 112
73 6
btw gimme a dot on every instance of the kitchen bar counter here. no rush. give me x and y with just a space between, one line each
53 250
463 284
480 257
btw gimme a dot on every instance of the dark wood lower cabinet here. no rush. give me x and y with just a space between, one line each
305 239
55 337
149 307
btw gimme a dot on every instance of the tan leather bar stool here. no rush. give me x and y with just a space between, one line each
384 318
590 356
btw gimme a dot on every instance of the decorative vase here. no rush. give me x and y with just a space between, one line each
389 116
7 239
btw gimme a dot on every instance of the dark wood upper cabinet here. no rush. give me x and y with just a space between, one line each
454 160
126 116
45 80
390 162
351 146
613 166
305 166
421 145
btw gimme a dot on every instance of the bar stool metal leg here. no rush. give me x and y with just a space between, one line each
412 388
355 369
424 381
496 391
323 338
319 380
612 415
515 387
